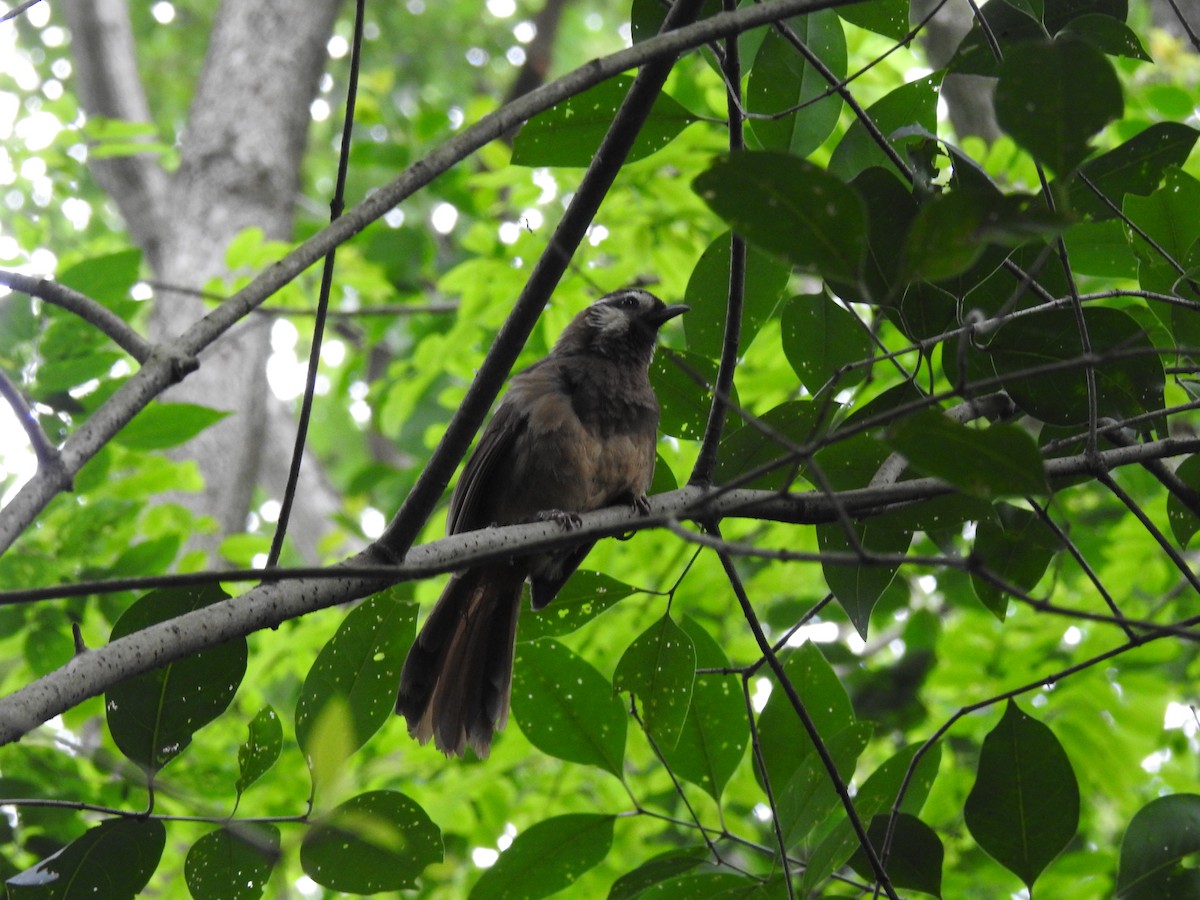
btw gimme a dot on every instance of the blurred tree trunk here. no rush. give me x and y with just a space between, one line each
240 158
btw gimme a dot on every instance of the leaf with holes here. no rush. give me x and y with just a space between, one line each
232 863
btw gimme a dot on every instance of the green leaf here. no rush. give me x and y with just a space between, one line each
891 209
585 596
781 79
749 447
708 295
1168 216
659 668
661 868
915 861
153 716
682 382
162 425
877 795
912 104
809 797
114 860
702 886
820 339
1024 807
783 739
1018 550
106 279
1051 98
570 132
566 708
886 17
1184 522
1101 249
859 584
360 666
1012 26
232 863
1128 383
377 841
261 749
1106 34
790 208
989 462
715 733
547 858
1160 850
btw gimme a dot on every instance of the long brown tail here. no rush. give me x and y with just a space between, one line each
457 678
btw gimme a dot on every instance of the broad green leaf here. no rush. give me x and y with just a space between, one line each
990 462
547 858
1051 98
1017 549
1129 378
821 339
790 208
876 795
758 444
360 665
261 749
1013 24
912 104
1184 522
570 132
659 669
886 17
809 797
783 739
585 596
113 860
915 860
232 863
1160 850
661 868
702 886
715 732
1102 249
891 208
708 295
859 584
566 708
1024 807
782 79
106 279
682 383
1168 216
377 841
1106 34
163 425
153 716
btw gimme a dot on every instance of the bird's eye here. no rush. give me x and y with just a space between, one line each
627 302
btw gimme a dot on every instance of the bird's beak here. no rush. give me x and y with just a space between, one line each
660 317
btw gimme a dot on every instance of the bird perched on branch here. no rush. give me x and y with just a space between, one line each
575 432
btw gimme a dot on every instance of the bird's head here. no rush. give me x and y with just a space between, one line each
620 326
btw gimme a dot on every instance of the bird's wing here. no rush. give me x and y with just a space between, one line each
468 504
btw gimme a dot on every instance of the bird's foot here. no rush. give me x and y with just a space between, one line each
641 504
567 521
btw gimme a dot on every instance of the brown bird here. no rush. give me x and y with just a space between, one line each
575 432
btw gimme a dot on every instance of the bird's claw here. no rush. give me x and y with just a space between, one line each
641 504
566 520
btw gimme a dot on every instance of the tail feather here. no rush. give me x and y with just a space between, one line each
457 679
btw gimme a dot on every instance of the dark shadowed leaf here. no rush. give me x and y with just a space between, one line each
1013 24
1184 521
886 17
377 841
114 860
261 749
912 104
585 596
681 381
1024 807
661 868
1051 98
1135 167
789 207
708 295
715 732
1017 549
1106 34
991 462
774 436
566 708
1167 216
860 583
229 864
547 858
1160 850
153 716
659 668
781 79
915 861
702 886
821 339
360 666
570 132
163 425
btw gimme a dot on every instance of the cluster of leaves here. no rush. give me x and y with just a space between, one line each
945 346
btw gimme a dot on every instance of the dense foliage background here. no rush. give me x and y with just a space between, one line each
923 623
